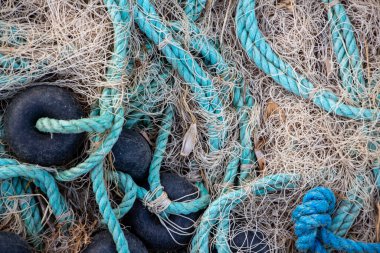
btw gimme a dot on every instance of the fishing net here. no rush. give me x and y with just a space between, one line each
69 44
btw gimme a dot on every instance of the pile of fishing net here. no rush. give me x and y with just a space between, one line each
197 81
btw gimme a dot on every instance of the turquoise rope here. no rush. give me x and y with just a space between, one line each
128 186
198 80
268 61
154 172
220 207
45 182
242 100
30 212
194 8
346 51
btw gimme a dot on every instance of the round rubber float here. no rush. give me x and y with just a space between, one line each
12 243
102 242
148 227
132 155
249 241
32 146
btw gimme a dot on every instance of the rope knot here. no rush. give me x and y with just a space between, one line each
330 3
313 214
155 204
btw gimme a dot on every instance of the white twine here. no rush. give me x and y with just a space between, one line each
157 205
165 42
331 4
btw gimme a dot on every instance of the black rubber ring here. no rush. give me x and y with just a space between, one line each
132 155
32 146
102 242
149 228
13 243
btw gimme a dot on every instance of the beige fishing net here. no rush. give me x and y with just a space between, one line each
69 43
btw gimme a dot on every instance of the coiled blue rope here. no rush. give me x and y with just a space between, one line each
312 221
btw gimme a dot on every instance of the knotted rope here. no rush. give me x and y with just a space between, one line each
312 221
107 121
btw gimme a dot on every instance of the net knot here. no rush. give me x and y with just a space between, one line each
330 4
166 41
159 204
312 215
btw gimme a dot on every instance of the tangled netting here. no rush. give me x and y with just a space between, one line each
202 79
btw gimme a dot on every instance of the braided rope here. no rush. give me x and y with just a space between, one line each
347 54
312 219
154 173
194 8
268 61
346 50
109 120
29 210
199 81
243 103
45 182
226 202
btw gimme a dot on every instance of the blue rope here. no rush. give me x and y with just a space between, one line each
312 220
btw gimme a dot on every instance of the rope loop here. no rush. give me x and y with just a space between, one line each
312 221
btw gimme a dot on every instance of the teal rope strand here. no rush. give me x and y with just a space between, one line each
226 202
121 21
45 182
194 8
348 210
154 172
99 154
6 191
223 231
28 206
198 80
345 216
346 51
105 208
268 61
243 103
30 212
128 186
160 149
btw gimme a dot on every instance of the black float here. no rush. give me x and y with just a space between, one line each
148 227
32 146
249 241
132 155
12 243
102 242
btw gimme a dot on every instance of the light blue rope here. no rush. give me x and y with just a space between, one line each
199 81
348 57
284 74
221 207
242 100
